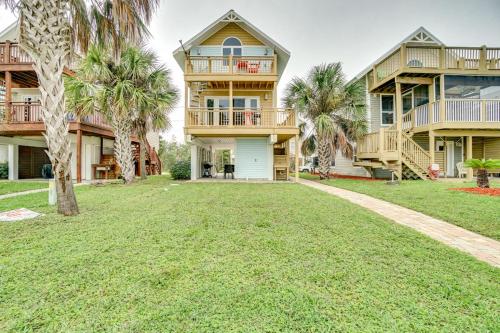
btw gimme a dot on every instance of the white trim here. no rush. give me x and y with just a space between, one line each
239 40
217 98
393 110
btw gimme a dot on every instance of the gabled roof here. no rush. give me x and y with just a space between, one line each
233 17
10 30
419 36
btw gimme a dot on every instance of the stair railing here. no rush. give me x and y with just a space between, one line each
415 154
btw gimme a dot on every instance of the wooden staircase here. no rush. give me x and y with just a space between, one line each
153 162
381 150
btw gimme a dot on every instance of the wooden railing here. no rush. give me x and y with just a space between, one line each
216 118
415 154
11 53
231 65
385 140
455 111
409 57
31 113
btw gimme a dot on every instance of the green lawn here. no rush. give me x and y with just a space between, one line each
478 213
11 186
219 257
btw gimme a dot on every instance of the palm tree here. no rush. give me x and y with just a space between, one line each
49 31
482 167
333 110
152 115
134 93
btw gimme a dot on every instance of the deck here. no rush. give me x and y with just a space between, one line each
428 60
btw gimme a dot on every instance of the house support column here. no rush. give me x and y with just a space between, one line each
194 161
399 128
432 147
442 103
468 153
8 95
13 156
296 158
79 156
186 102
231 103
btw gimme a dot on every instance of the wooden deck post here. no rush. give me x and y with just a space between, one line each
79 156
296 158
468 153
230 103
432 147
442 101
186 103
399 127
8 96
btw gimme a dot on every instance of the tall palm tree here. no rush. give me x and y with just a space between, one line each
133 93
334 111
49 31
153 115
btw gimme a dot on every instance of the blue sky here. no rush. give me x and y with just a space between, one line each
354 32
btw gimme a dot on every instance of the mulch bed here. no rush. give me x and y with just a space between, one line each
485 191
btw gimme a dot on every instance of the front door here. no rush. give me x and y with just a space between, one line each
450 158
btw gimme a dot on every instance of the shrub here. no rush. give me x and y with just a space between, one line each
4 170
181 170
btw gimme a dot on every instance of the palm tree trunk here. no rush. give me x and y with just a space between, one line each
482 178
323 158
50 49
123 148
143 157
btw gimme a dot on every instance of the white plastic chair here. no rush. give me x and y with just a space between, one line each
461 169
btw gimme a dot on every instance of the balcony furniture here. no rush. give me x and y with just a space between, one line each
242 65
253 68
249 118
229 169
461 169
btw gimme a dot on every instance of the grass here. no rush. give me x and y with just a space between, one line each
12 186
219 257
478 213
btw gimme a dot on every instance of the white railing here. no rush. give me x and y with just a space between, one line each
435 112
492 108
418 57
390 65
421 115
267 118
463 110
493 58
231 65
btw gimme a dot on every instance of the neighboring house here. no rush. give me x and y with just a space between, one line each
429 103
231 72
22 145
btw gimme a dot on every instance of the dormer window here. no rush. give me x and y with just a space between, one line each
231 46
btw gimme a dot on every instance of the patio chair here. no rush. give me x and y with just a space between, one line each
461 169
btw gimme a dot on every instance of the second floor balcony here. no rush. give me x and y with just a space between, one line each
23 115
240 121
454 113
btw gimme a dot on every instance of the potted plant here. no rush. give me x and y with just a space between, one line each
482 167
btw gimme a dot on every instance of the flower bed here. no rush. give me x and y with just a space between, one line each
478 190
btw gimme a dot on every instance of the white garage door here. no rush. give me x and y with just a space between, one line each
251 159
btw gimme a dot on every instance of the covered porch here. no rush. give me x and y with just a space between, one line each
256 158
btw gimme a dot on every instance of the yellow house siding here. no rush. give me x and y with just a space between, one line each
477 148
232 30
492 148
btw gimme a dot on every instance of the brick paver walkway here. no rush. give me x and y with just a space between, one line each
483 248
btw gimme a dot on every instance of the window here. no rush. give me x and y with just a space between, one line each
407 102
231 45
387 109
420 95
472 87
